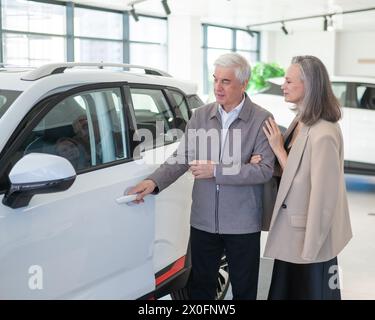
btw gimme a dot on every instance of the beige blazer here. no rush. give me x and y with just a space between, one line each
310 221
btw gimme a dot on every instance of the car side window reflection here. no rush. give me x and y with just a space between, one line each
88 129
339 90
152 108
366 97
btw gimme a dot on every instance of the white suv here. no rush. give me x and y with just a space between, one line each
67 153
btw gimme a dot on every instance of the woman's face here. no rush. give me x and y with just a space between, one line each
293 87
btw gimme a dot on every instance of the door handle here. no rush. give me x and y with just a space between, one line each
126 199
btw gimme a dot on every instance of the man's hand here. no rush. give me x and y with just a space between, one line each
142 189
202 169
255 159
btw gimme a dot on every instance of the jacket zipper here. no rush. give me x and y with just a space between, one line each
218 186
217 209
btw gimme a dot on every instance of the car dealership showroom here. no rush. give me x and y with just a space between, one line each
104 192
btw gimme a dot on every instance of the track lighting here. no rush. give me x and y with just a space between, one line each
325 24
328 23
251 33
134 14
166 7
284 28
330 26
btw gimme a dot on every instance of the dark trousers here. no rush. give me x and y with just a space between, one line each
311 281
242 252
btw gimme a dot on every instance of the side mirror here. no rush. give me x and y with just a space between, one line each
37 173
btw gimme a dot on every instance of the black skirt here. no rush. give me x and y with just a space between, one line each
313 281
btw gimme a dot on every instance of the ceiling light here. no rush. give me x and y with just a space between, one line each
330 26
325 23
166 7
134 14
251 33
284 29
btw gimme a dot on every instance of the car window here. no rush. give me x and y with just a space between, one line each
7 97
366 97
88 129
151 109
339 90
180 109
272 88
194 101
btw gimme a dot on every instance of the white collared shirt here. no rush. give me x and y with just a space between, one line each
227 119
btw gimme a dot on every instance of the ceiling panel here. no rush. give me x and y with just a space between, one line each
246 12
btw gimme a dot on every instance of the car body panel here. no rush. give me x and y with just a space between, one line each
88 245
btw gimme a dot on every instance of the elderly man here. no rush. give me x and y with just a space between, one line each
226 210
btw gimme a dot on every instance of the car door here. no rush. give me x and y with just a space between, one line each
163 116
362 126
85 242
342 91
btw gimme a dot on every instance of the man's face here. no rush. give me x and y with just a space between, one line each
228 89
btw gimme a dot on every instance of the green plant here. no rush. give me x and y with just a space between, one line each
261 72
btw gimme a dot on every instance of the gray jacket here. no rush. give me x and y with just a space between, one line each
232 201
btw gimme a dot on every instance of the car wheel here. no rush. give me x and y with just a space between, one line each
222 279
221 287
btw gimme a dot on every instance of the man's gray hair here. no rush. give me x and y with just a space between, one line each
238 62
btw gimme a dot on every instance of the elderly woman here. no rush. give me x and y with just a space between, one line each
310 223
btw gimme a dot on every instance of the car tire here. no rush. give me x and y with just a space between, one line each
221 287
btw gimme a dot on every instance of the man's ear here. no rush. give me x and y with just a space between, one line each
245 85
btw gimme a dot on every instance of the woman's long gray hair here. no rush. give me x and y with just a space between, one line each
319 101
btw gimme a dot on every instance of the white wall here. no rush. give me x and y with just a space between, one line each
280 48
341 52
185 54
353 47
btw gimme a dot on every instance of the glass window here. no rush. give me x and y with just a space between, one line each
339 90
88 129
244 41
30 16
152 113
32 50
181 109
219 37
366 97
219 41
212 55
252 57
195 101
97 24
6 99
98 51
149 55
148 30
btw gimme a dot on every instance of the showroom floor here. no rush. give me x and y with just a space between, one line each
357 261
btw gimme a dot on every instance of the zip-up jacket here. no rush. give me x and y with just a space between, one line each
232 201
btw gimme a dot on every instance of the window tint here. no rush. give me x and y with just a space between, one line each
181 109
273 88
195 101
153 113
6 99
88 129
339 90
366 97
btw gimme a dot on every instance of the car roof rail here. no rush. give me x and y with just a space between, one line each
55 68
